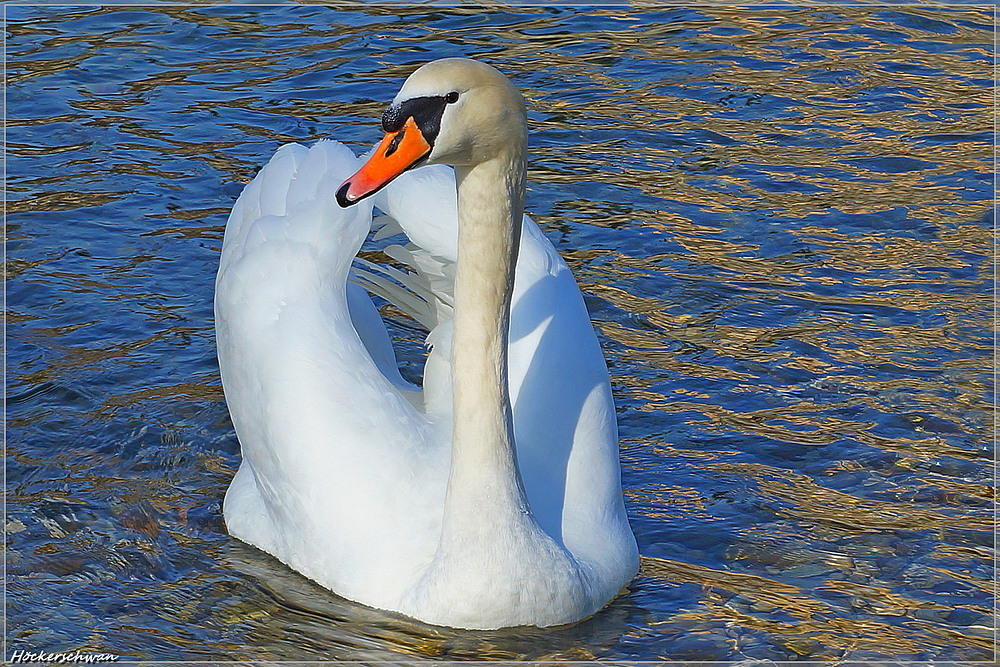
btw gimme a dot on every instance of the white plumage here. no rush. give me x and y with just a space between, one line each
346 467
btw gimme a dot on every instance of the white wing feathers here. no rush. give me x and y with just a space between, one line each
425 293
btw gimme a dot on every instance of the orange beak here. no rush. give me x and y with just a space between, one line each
398 152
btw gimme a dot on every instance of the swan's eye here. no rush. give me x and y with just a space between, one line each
451 97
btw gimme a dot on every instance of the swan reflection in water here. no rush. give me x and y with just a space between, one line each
294 618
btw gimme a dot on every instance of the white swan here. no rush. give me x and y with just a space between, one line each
493 497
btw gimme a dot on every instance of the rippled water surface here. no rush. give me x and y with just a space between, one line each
780 218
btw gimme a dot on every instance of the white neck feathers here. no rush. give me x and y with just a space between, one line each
483 462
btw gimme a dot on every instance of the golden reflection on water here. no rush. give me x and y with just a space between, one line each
856 154
760 603
798 496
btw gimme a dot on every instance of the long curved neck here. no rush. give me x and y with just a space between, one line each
484 478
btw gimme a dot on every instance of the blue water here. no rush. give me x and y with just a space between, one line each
782 223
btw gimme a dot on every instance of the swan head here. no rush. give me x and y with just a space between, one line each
453 111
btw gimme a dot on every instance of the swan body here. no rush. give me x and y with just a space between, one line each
489 498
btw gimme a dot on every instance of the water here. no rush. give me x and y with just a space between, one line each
780 218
